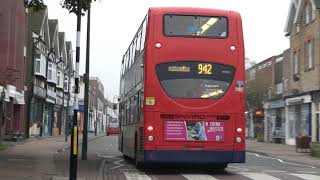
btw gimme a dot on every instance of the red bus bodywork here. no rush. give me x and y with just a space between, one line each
229 109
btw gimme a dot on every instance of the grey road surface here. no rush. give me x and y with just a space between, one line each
113 166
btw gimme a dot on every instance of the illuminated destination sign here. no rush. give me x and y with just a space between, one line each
204 68
179 69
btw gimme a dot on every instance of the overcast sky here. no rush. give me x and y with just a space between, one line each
114 24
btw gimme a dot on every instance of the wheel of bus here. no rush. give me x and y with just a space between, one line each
221 167
139 164
125 157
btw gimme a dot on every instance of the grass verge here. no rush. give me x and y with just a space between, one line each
3 147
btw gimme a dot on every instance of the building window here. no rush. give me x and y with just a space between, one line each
49 74
58 78
40 64
52 72
252 74
285 85
39 82
51 88
279 88
66 81
269 93
296 62
308 13
309 55
297 28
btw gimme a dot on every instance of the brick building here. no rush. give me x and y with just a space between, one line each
258 81
12 69
302 100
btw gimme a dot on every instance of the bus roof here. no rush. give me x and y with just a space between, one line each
198 11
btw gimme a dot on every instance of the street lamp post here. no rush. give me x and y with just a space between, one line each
86 89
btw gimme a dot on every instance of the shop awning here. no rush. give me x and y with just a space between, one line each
6 94
19 98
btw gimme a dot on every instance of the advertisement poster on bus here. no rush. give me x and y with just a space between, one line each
194 131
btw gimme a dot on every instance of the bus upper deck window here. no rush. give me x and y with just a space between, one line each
196 26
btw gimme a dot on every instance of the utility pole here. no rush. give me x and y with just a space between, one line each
86 91
68 104
74 134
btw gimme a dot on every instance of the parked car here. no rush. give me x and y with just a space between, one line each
113 128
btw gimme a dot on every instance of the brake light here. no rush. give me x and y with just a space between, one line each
150 128
239 130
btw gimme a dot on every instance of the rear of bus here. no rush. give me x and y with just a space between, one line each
194 87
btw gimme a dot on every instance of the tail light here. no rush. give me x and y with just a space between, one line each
150 128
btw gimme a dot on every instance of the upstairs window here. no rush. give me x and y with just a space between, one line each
252 74
40 64
309 55
296 62
309 13
297 28
195 26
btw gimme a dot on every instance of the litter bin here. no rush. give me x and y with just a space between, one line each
303 143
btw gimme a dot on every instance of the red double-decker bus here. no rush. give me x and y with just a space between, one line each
182 97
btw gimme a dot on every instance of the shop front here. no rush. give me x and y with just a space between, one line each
274 121
36 111
315 117
47 119
298 118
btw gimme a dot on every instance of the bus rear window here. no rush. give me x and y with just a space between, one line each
195 26
195 80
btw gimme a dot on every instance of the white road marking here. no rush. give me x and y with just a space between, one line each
108 157
238 168
281 161
118 164
115 167
276 171
307 176
123 170
309 172
64 178
258 176
136 176
198 177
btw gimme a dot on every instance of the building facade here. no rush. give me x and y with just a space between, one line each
258 81
301 101
48 60
274 105
98 117
12 70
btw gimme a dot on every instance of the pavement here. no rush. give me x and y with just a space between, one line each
281 151
34 158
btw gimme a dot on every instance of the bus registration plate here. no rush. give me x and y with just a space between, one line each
194 131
